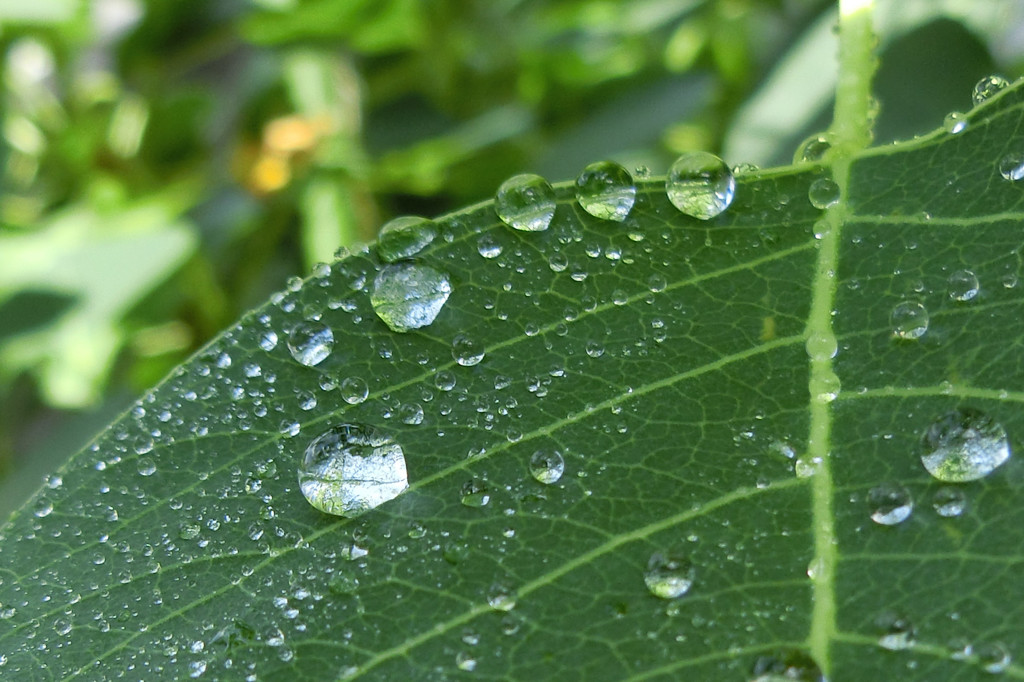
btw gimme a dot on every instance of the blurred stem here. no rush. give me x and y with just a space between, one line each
324 88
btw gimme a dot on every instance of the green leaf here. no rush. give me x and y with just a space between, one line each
727 397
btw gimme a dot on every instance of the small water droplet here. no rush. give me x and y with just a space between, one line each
605 190
62 626
311 342
488 247
963 285
988 87
343 584
890 503
898 632
909 320
43 508
787 666
954 122
700 185
445 380
994 658
409 296
268 340
949 502
352 468
411 413
501 597
813 149
404 237
823 193
1011 166
964 445
466 351
354 390
474 493
525 202
465 661
547 466
669 575
189 530
146 466
821 345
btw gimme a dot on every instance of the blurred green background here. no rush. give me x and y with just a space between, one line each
167 164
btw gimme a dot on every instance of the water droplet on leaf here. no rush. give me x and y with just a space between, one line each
787 666
311 342
994 658
501 597
898 632
488 247
605 190
466 351
909 320
404 237
465 661
949 502
964 445
954 123
409 296
963 285
669 575
700 185
268 340
823 192
890 504
474 493
1011 166
813 149
525 202
352 468
988 87
547 466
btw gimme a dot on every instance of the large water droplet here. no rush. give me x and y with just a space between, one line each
964 445
890 503
823 192
1011 166
909 320
605 190
311 342
404 237
350 469
466 351
988 87
700 185
547 466
963 285
669 575
525 202
787 666
409 296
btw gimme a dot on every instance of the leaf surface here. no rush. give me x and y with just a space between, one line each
666 360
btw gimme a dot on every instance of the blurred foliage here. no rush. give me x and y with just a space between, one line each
166 164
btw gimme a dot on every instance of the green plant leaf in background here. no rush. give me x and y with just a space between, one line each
660 448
